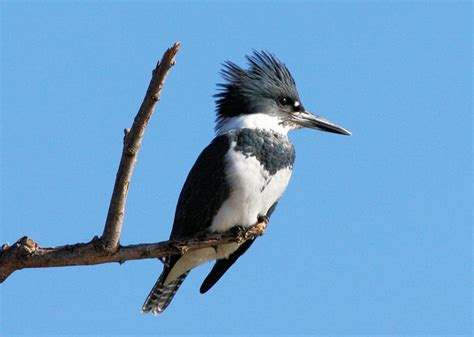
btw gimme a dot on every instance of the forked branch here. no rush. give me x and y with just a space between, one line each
26 253
131 145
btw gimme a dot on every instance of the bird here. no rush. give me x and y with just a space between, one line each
238 179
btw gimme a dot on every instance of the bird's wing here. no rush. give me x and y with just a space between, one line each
221 266
203 192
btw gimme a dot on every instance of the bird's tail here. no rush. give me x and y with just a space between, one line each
161 295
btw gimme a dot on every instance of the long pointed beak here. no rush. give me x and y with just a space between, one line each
308 120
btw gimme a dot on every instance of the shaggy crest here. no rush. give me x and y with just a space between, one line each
255 89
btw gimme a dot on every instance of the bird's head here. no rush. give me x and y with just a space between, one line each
264 95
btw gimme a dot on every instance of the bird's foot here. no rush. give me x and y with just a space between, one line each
263 218
238 230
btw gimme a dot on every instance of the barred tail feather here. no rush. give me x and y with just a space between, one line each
161 295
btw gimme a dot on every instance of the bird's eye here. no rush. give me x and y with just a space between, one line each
284 101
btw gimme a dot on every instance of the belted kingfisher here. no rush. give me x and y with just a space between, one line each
239 177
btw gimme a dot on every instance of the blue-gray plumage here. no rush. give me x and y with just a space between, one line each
273 151
241 175
254 90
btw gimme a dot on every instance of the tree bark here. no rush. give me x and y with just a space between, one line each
26 253
131 146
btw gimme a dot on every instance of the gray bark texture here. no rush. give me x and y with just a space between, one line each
26 253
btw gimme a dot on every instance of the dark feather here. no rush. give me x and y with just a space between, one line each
161 295
249 91
221 266
204 191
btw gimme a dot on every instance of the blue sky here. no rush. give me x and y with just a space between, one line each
374 233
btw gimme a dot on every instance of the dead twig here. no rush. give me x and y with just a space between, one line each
131 145
26 253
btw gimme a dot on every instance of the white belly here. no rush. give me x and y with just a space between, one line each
253 192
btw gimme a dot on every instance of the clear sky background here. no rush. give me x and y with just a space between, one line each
374 233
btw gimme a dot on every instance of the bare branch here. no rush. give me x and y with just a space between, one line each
131 145
26 253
